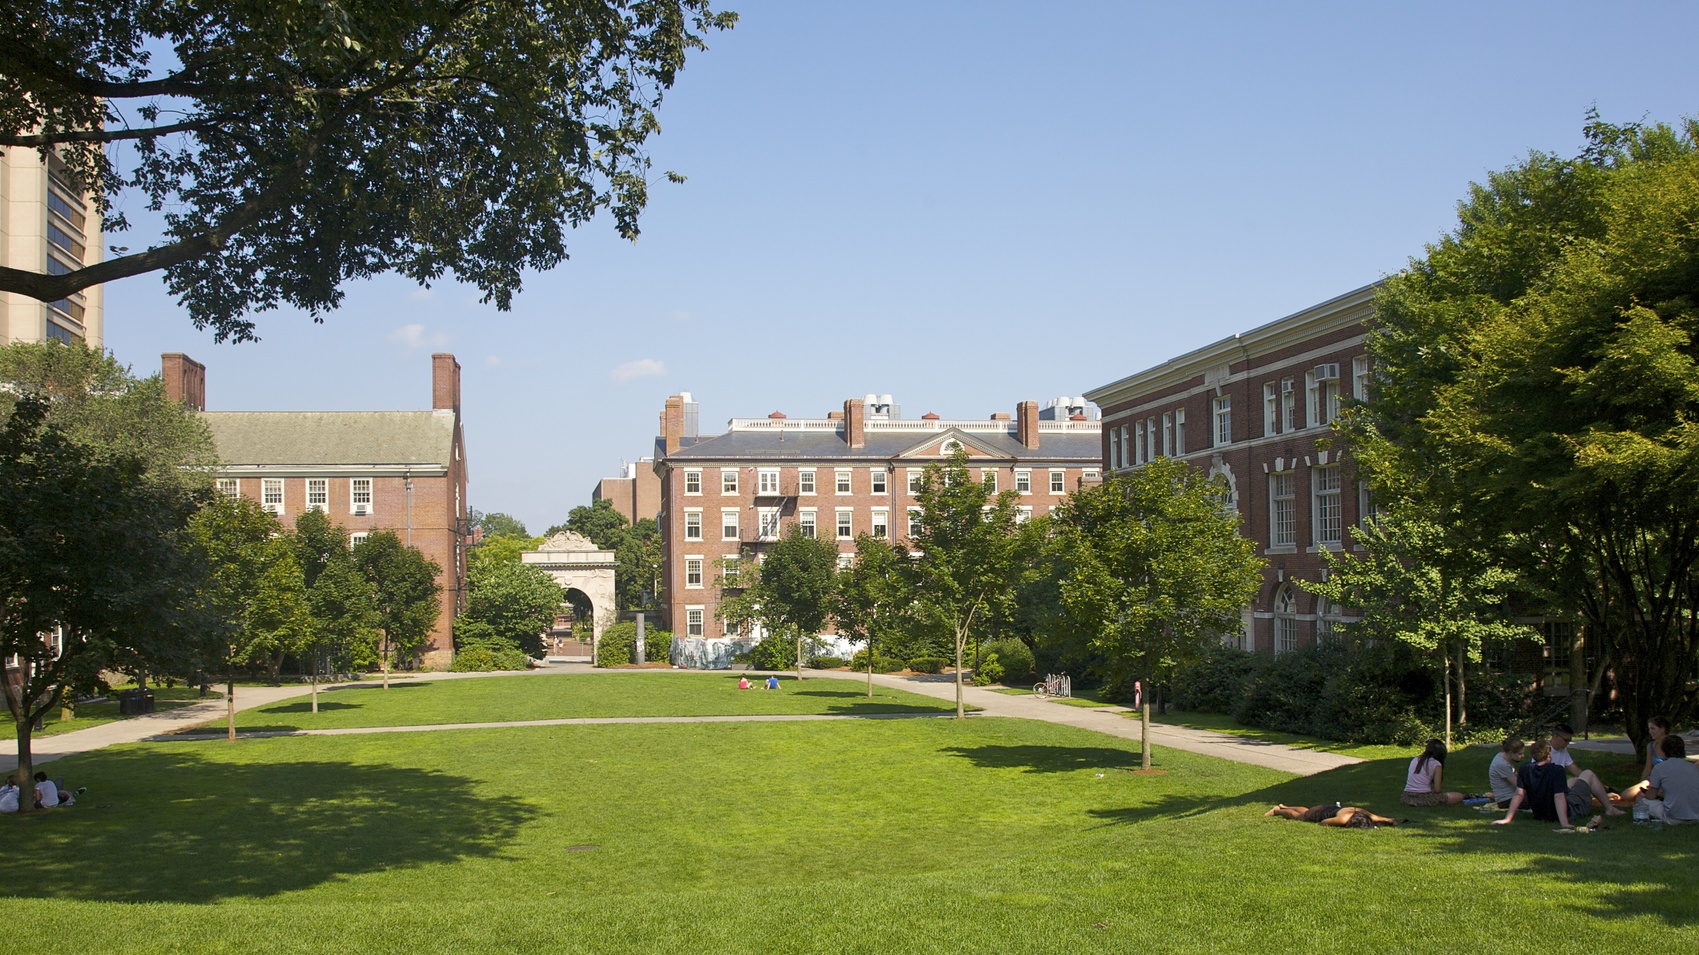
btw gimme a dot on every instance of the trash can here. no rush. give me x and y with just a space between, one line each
147 700
129 703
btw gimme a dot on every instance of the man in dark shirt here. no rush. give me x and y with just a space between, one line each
1546 790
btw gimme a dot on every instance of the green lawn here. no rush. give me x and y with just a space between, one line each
860 836
1221 723
565 696
94 714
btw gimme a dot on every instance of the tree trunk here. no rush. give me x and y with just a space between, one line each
870 669
1144 735
799 653
230 705
315 681
1462 688
1447 677
26 764
384 663
961 710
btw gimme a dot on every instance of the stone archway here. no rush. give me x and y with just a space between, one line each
576 564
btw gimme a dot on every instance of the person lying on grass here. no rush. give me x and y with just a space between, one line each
1671 789
1424 784
1550 795
1501 775
1658 727
1332 814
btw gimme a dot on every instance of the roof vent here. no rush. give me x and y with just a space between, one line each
929 416
776 416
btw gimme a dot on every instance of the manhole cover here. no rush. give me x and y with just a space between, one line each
581 848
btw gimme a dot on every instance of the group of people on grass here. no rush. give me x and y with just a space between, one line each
48 793
744 684
1550 786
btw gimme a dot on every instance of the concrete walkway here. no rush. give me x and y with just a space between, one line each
1106 720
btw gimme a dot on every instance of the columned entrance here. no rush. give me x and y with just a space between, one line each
577 565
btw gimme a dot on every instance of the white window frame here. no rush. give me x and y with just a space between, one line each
846 561
805 481
809 520
1222 413
357 538
914 522
229 488
1023 481
361 488
877 481
1288 405
1360 378
693 476
1138 442
271 495
1323 400
843 481
728 482
1327 507
1270 408
1282 510
768 522
693 615
1058 481
767 481
693 523
1285 621
1150 438
318 494
693 576
1168 434
916 477
844 523
881 523
1114 449
1023 513
1179 432
729 529
988 476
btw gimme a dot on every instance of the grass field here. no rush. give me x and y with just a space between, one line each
566 696
868 836
106 711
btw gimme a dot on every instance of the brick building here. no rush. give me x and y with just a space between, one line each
636 494
48 224
855 471
401 471
1256 408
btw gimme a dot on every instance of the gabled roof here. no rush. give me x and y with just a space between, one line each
321 438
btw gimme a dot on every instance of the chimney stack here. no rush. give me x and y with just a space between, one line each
1026 424
855 423
672 423
445 383
185 380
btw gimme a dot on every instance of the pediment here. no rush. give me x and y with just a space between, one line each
943 444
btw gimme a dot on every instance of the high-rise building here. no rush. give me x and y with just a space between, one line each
48 224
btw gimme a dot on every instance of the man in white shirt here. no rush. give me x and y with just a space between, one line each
1561 735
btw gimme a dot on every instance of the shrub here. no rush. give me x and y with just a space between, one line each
1016 658
928 664
484 654
826 663
881 663
618 645
989 671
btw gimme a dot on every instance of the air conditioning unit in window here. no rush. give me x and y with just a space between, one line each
272 508
1328 372
361 510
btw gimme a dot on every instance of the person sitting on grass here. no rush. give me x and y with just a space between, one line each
9 795
1501 775
1424 784
1658 728
1549 795
743 682
1671 789
48 795
1333 814
1561 758
772 683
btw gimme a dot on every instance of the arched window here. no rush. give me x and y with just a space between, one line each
1285 620
1327 622
1228 496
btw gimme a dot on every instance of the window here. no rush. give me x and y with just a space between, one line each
1360 378
692 525
805 481
843 485
989 476
271 495
1367 509
914 477
1150 438
729 567
1023 482
1114 449
1270 408
1168 434
767 481
1089 474
1126 447
1058 482
1023 514
878 479
693 572
693 482
728 524
846 561
1179 431
1327 621
1324 486
728 480
844 527
1285 621
881 524
355 540
1288 405
1323 405
1223 420
769 518
318 494
1138 442
913 522
227 489
693 621
1282 510
807 519
360 495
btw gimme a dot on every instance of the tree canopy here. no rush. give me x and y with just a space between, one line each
290 147
405 594
1536 374
789 591
257 582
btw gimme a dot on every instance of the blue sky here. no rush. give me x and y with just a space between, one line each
965 205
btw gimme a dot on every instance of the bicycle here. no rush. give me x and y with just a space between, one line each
1055 686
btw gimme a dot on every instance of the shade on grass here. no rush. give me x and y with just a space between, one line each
93 714
565 696
863 836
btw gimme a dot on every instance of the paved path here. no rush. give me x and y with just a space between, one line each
1106 720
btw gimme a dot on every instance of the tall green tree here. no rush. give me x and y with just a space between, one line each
599 523
789 591
405 595
1156 570
637 569
497 524
874 599
965 562
1537 375
513 602
97 571
257 582
294 148
339 598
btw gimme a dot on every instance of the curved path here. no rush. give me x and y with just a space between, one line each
1107 720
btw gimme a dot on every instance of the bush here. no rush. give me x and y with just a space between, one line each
618 645
826 663
881 663
1016 658
989 671
484 654
928 664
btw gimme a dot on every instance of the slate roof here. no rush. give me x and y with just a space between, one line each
798 445
318 438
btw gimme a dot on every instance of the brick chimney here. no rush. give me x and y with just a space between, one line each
855 423
445 383
185 380
672 423
1026 424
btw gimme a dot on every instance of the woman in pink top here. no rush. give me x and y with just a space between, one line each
1425 784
